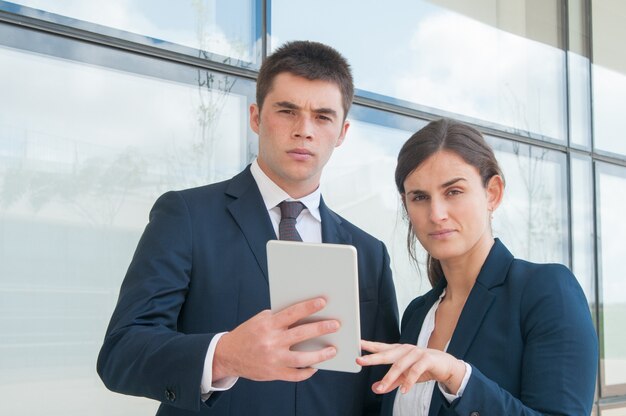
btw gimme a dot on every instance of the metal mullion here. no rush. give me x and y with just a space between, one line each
126 45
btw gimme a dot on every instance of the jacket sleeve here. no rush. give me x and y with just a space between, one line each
559 362
143 353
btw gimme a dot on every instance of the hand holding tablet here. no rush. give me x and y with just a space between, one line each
299 271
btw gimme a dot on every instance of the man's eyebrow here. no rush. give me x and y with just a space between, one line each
325 110
286 104
291 106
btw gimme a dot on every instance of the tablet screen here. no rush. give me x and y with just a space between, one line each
299 271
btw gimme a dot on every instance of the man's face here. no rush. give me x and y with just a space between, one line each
300 124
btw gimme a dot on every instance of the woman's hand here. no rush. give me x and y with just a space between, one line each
412 364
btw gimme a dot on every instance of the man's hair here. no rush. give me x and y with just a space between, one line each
310 60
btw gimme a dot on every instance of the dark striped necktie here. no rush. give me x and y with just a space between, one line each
289 211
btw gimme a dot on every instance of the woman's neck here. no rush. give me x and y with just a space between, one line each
461 272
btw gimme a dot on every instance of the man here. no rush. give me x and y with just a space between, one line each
192 327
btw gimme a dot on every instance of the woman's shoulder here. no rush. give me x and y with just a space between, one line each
545 275
546 286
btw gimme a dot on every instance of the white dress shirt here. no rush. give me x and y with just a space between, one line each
308 223
309 226
416 401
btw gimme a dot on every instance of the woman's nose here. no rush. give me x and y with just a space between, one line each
438 211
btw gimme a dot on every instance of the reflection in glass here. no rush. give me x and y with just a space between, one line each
614 411
579 100
579 68
612 229
225 28
609 101
490 62
84 152
532 219
582 226
358 183
609 74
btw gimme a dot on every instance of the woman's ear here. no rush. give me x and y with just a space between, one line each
495 192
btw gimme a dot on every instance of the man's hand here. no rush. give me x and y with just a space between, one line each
259 349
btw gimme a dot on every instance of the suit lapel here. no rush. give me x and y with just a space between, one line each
474 311
248 210
332 231
492 274
412 325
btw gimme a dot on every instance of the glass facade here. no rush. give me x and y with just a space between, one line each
430 56
218 30
611 182
609 74
106 105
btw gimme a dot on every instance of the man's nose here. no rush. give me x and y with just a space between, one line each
303 128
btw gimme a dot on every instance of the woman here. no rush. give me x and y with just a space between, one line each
495 335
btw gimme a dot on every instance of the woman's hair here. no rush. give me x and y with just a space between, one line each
452 136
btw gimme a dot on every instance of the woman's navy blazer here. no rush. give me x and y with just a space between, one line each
527 332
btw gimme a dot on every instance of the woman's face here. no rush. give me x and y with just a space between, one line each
449 207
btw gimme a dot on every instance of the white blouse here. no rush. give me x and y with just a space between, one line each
416 401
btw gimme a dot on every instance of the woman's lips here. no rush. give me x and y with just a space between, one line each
441 234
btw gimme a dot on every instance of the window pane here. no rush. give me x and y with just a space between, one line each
84 152
613 412
532 220
612 228
579 74
358 183
224 28
492 60
582 226
580 100
609 74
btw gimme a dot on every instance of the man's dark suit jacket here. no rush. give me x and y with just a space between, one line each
526 331
200 268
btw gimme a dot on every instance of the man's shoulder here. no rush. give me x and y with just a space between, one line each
358 234
216 187
214 190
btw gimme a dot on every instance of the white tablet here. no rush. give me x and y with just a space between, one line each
299 271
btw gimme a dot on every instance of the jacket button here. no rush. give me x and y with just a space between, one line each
170 395
475 414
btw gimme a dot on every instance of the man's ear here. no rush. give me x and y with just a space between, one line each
344 131
255 118
495 192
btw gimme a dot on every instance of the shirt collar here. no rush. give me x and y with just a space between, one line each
273 194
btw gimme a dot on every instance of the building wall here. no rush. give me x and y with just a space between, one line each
106 105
